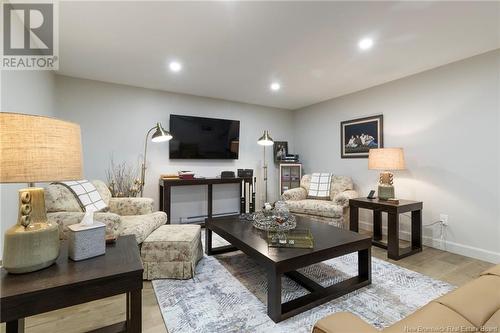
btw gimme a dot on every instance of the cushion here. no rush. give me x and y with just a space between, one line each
339 184
493 324
319 186
315 207
87 196
342 322
141 226
495 270
476 300
432 318
58 198
103 190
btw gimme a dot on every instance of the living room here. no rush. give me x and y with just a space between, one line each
207 130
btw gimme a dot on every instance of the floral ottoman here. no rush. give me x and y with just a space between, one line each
171 252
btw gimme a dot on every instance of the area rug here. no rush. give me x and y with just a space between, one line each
228 294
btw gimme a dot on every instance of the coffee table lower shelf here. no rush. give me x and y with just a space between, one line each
318 295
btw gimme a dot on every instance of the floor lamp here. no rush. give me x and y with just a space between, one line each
160 135
265 140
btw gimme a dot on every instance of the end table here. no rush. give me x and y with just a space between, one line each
68 283
393 210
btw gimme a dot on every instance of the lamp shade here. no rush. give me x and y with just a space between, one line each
265 139
386 159
38 149
161 135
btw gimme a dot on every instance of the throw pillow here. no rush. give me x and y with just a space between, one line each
319 187
87 195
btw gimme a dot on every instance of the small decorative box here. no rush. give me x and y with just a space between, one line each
86 241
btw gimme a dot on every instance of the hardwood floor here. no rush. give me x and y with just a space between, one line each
449 267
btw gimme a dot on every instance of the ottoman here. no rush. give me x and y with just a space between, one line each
171 252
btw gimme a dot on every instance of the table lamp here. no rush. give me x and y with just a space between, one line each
35 149
386 159
265 140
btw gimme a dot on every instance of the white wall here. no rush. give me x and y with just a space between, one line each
30 92
115 118
447 120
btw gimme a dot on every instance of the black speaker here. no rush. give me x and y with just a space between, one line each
227 174
245 173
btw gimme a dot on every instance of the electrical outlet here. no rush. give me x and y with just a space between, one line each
444 219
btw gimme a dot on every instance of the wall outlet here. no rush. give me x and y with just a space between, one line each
444 219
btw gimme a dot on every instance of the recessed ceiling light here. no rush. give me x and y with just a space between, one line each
175 66
365 43
275 86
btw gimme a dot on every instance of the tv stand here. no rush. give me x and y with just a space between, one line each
167 184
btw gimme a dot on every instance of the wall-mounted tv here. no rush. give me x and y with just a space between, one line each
204 138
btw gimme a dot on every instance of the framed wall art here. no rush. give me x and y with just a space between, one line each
358 136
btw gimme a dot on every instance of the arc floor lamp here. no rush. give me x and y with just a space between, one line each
265 140
160 135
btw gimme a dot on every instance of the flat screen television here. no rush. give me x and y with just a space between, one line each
204 138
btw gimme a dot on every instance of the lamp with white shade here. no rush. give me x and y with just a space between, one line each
386 159
35 149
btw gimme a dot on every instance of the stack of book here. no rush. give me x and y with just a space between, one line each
170 176
186 174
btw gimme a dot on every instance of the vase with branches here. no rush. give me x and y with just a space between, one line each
123 179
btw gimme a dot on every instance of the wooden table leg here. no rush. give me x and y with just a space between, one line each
167 201
134 324
393 236
377 225
365 264
416 229
274 295
15 326
208 241
210 201
354 219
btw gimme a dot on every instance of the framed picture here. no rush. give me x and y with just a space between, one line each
358 136
280 150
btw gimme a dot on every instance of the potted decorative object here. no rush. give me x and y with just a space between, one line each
123 180
276 219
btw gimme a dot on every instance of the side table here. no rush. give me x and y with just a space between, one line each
393 210
68 283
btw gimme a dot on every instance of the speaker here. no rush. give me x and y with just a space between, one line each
245 173
227 174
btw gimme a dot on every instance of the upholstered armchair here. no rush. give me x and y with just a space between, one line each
334 211
126 216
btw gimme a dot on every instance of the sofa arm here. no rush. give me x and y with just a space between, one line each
342 322
342 199
65 219
131 206
298 193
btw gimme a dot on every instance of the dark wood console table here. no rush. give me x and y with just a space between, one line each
167 184
67 283
393 210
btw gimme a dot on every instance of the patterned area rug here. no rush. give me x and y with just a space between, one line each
228 294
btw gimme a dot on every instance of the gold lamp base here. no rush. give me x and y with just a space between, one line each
385 187
33 243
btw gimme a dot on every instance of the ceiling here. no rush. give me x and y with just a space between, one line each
234 50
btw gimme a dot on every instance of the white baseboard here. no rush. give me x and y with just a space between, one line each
465 250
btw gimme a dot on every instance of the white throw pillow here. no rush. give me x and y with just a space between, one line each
319 187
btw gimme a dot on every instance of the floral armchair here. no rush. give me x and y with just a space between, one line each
334 211
126 216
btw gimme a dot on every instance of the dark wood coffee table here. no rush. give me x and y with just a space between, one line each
329 242
68 283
